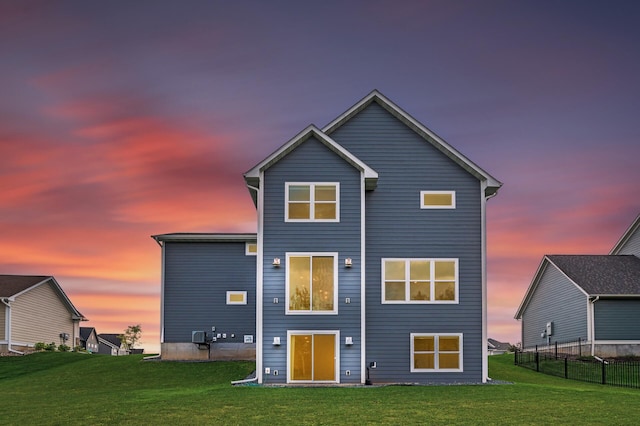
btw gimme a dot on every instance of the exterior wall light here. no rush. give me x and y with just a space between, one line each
348 263
276 262
276 341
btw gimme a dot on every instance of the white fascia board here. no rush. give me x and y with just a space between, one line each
492 184
252 176
626 236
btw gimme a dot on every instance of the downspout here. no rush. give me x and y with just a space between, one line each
259 277
592 324
7 326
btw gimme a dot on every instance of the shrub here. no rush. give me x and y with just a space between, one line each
50 347
40 346
64 348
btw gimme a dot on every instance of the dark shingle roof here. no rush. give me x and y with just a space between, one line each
111 338
601 274
85 333
14 284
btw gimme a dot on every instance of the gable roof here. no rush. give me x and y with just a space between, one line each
601 275
492 184
594 275
12 286
110 339
85 333
494 344
252 177
635 226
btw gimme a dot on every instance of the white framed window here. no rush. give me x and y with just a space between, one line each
312 202
312 283
236 297
313 356
436 352
419 280
251 249
437 199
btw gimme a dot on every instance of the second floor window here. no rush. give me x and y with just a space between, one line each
419 281
312 202
311 283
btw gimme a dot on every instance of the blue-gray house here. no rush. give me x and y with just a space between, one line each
369 261
591 298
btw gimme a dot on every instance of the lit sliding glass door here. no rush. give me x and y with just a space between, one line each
313 356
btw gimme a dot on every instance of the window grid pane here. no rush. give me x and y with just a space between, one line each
437 352
309 202
420 280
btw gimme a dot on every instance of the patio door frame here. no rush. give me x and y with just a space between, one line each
336 355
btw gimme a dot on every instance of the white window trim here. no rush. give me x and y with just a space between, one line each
335 284
337 354
246 249
232 292
436 352
425 206
431 281
311 185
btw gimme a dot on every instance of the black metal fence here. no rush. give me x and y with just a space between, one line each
574 362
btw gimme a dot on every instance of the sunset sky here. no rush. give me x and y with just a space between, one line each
123 119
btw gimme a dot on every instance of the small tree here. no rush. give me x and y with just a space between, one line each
131 336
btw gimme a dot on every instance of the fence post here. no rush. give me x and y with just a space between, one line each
604 373
537 362
566 368
580 347
556 344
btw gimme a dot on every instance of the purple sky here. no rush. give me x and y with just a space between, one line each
123 119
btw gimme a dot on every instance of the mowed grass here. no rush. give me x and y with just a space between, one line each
71 388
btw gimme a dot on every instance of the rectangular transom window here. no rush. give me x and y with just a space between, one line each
312 281
436 352
236 297
419 280
312 202
437 199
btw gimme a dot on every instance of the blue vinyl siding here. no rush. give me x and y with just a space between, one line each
617 319
632 245
311 162
197 278
558 300
396 227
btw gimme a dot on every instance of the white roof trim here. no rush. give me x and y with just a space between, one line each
310 131
626 236
75 314
492 183
536 280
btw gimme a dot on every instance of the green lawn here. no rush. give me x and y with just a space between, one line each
70 388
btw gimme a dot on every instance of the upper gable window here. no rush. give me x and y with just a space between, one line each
437 199
251 249
312 202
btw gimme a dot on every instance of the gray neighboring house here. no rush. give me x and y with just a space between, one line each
110 344
35 309
594 298
369 261
89 339
497 348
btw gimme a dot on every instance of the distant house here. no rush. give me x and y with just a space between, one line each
110 344
369 261
495 347
89 339
35 309
594 298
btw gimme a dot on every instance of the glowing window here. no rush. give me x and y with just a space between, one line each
236 297
437 199
312 202
436 352
312 283
419 280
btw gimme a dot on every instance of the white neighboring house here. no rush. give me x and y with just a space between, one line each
35 309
